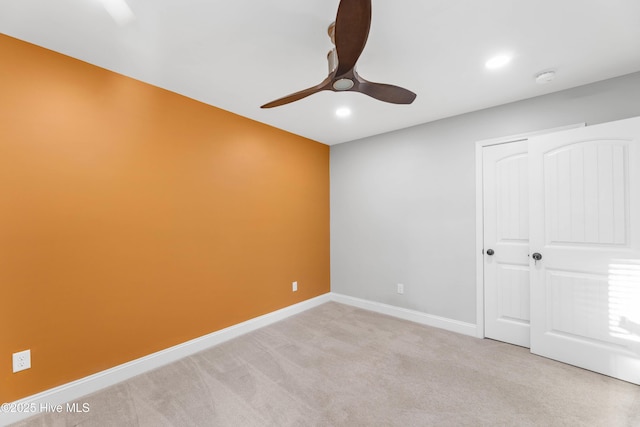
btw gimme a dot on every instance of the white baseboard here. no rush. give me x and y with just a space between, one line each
93 383
84 386
407 314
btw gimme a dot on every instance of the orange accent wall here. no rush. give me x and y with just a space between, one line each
133 219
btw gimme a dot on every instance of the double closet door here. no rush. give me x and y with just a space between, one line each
561 215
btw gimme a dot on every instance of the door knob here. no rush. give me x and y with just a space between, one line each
537 256
490 252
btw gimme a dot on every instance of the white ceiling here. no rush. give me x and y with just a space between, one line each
240 54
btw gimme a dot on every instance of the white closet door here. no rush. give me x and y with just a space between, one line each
506 242
585 224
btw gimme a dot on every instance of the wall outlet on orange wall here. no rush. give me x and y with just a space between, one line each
21 361
294 286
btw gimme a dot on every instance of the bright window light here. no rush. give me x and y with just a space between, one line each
498 61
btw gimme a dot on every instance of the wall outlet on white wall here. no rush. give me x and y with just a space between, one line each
21 361
400 288
294 286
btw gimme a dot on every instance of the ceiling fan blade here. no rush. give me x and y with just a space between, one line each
351 32
299 95
384 92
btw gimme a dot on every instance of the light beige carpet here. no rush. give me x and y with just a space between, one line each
340 366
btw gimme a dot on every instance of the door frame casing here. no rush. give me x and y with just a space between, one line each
480 145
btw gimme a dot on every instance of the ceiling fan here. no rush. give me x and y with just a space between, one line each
349 34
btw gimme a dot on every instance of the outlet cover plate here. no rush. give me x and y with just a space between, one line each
21 361
294 286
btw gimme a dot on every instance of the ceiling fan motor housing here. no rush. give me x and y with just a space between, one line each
332 58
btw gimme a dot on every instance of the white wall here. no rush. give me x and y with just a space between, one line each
402 203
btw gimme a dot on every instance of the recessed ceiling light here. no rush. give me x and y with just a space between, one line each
498 61
343 112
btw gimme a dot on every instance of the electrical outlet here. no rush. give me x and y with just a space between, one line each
400 288
294 286
21 361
